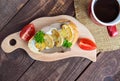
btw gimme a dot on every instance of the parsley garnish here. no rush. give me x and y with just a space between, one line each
67 44
39 36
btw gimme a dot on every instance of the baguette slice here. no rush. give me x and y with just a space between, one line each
47 29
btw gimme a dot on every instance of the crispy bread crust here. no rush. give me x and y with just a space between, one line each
74 28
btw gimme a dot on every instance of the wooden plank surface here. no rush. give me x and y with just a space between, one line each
19 66
8 9
107 68
63 70
13 65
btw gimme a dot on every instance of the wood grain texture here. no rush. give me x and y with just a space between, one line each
63 70
103 40
107 68
8 9
18 66
14 65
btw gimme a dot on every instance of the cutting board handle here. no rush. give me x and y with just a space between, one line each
11 42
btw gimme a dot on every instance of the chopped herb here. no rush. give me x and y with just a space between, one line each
39 36
67 44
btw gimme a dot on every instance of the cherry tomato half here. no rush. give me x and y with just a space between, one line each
27 32
86 44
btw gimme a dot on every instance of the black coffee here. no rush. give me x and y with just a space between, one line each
106 10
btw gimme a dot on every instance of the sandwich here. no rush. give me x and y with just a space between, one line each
57 37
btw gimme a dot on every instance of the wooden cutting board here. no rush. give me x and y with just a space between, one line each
45 21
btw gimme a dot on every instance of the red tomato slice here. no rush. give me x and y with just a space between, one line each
27 32
86 44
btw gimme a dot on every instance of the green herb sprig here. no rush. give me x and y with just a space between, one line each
67 44
39 36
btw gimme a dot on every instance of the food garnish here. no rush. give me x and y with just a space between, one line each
39 37
27 32
86 44
67 44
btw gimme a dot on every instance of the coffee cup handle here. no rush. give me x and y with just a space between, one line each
112 30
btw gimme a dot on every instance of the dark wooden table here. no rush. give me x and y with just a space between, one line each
18 66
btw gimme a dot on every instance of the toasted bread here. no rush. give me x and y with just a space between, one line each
75 35
74 28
